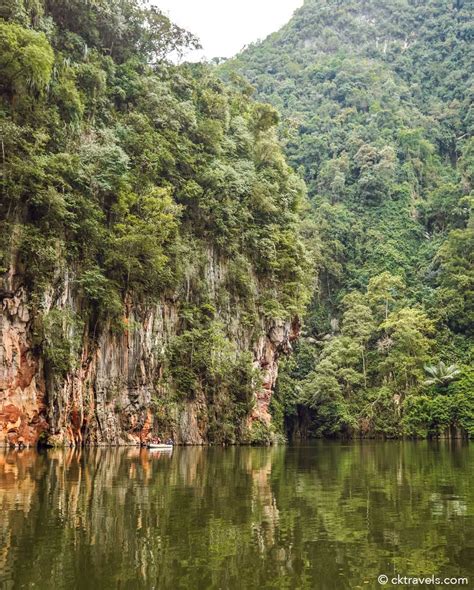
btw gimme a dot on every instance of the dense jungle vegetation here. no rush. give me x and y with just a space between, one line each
122 171
376 98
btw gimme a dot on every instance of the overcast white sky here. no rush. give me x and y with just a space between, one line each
225 26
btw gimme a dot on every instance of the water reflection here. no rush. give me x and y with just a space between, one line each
330 515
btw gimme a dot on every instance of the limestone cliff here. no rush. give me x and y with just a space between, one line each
108 397
152 253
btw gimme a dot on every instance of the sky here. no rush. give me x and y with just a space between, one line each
224 27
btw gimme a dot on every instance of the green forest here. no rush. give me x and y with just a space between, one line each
376 104
330 166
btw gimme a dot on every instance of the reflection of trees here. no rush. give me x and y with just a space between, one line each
370 508
330 516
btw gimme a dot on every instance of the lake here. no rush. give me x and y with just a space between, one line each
319 516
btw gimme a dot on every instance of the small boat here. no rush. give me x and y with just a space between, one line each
159 447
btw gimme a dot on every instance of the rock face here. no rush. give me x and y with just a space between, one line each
22 388
271 346
108 397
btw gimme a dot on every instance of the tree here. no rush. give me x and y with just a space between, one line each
26 59
409 330
358 323
441 374
456 296
376 171
384 290
124 30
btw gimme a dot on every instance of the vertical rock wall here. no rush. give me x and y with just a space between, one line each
108 397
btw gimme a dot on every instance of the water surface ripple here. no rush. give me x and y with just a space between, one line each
321 516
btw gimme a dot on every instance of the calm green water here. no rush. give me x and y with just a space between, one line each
330 515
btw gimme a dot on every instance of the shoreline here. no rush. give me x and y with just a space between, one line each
295 443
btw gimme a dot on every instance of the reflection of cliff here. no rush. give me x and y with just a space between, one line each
17 487
265 515
130 504
232 518
58 502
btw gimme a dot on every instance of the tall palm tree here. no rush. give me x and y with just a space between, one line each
441 374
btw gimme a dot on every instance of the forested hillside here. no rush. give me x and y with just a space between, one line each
157 252
376 98
152 270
